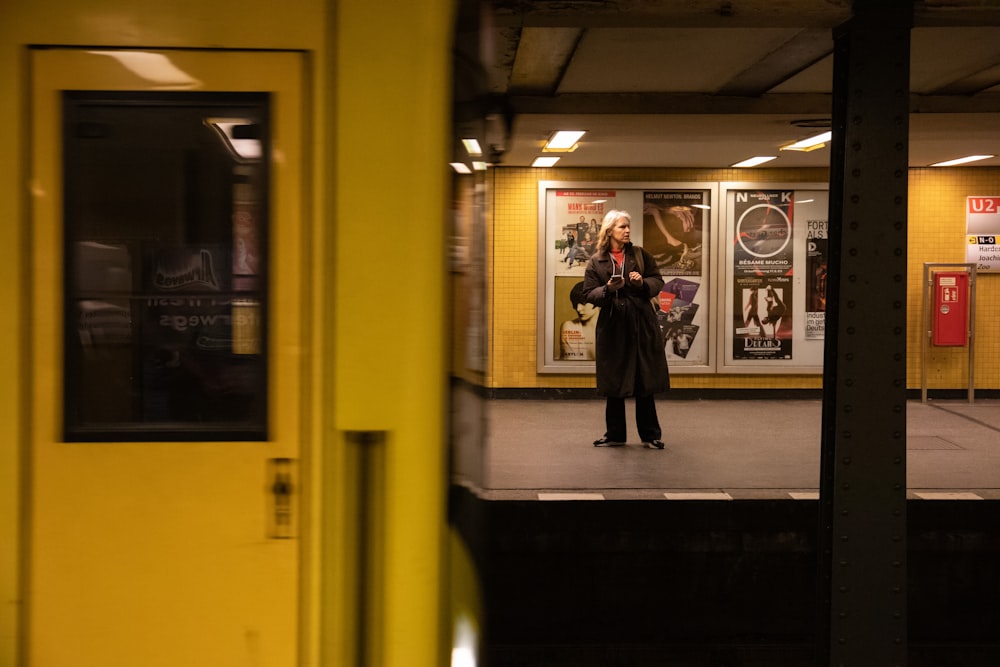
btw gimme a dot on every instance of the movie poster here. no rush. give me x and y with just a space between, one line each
762 274
577 222
572 224
576 321
763 317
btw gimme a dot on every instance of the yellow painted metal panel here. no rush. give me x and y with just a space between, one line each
223 24
158 553
387 295
400 54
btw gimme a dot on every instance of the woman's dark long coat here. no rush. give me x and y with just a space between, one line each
631 360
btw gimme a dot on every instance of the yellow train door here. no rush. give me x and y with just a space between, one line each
166 320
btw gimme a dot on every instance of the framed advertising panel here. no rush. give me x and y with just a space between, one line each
675 222
773 302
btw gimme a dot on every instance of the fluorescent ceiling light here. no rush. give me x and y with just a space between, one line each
246 150
460 167
155 68
704 206
962 160
564 140
472 147
598 201
810 144
463 657
478 165
544 161
754 161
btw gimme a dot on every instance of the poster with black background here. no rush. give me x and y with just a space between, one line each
762 274
816 262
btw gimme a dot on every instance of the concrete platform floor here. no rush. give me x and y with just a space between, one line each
716 449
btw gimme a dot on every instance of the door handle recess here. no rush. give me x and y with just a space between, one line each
282 498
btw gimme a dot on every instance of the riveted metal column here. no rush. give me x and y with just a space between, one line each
863 471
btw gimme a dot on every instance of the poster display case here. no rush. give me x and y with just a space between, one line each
773 296
674 222
744 269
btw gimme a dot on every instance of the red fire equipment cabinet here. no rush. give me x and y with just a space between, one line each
949 316
950 320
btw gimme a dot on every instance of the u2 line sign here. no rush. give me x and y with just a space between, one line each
982 233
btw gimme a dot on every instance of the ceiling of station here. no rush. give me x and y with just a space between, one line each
707 83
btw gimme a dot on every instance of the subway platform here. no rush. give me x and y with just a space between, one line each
665 571
716 449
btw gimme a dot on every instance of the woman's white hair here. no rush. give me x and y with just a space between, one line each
611 218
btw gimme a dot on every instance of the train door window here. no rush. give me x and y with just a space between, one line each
165 284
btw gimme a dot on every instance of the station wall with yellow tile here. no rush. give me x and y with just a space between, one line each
936 234
937 200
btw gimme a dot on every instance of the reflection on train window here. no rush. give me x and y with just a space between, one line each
165 248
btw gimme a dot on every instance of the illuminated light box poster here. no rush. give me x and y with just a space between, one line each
763 266
674 233
573 221
673 221
982 229
817 257
774 276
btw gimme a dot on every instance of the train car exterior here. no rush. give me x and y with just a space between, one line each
318 537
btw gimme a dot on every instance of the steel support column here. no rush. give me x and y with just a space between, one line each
863 470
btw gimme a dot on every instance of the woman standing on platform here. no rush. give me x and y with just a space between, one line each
620 279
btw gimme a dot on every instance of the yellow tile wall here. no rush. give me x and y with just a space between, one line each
514 271
936 234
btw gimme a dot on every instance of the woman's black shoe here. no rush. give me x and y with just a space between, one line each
608 442
654 444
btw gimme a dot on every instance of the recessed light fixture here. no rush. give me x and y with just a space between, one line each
815 123
754 161
472 147
962 160
544 161
810 144
241 144
563 141
478 165
460 167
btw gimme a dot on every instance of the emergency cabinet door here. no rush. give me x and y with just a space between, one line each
166 329
950 319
